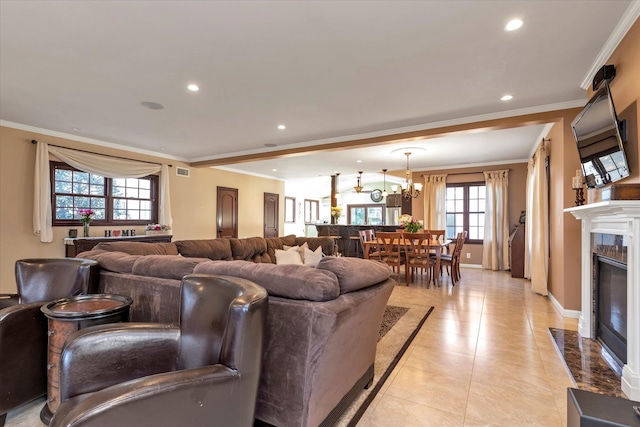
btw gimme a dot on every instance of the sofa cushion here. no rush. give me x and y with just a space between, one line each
250 249
165 266
216 249
119 262
289 281
309 257
355 273
274 243
139 248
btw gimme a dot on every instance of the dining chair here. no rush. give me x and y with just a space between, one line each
390 249
416 247
453 260
368 235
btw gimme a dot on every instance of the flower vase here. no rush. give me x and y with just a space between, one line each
85 229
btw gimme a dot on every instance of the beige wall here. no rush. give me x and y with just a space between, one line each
517 201
193 201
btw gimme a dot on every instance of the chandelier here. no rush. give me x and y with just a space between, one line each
359 187
409 188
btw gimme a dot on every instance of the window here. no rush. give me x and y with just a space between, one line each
131 201
365 214
311 211
289 209
465 210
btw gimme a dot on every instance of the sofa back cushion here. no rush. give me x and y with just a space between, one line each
119 262
274 243
250 249
139 248
165 266
355 273
289 281
216 249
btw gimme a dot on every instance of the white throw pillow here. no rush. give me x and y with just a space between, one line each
290 256
312 258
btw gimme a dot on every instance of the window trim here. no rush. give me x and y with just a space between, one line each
311 203
465 216
289 209
108 221
366 207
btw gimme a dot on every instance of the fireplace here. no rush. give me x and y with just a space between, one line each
610 283
610 294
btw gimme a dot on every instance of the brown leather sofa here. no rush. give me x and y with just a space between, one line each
203 372
23 328
322 323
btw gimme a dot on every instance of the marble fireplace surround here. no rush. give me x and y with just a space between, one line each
621 217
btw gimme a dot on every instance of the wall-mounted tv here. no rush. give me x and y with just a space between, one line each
599 136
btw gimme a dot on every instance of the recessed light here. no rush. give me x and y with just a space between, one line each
274 170
513 25
270 144
75 129
358 161
163 148
193 87
506 98
282 127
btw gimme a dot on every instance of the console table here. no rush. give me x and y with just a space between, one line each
67 316
75 245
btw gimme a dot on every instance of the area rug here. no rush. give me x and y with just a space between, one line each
585 361
405 323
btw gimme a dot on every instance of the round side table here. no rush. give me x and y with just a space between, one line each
67 316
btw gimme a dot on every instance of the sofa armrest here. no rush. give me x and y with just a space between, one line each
100 356
8 300
190 397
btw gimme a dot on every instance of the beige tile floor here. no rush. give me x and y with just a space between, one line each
483 358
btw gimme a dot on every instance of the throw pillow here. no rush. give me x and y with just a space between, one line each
290 256
312 258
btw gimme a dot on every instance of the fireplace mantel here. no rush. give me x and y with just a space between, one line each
621 217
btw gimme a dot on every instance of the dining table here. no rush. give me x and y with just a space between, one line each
436 245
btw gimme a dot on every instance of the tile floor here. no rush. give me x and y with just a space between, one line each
483 358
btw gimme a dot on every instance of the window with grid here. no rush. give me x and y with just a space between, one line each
311 211
465 210
372 214
115 201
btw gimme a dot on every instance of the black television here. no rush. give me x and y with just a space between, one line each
600 139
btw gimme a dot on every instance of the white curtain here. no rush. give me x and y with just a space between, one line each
536 260
109 167
495 249
435 196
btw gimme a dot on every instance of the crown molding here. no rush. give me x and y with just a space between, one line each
624 24
243 172
85 140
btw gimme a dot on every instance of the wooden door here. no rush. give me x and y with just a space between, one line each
271 214
227 212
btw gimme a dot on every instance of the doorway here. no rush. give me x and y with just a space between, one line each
271 214
227 212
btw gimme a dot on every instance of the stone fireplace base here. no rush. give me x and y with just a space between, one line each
620 217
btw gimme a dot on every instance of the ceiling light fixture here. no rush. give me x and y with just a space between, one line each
384 186
193 87
282 127
338 199
513 25
359 187
409 188
152 105
506 98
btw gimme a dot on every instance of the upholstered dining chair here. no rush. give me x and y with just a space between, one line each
391 249
453 260
417 253
23 328
204 371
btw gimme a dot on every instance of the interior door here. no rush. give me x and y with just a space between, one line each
271 214
227 212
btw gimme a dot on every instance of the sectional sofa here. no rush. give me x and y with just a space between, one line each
322 322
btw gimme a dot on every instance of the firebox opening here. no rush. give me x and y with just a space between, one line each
611 306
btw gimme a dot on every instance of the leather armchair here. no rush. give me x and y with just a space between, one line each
204 371
23 328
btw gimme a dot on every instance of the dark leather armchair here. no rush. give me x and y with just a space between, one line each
203 372
23 328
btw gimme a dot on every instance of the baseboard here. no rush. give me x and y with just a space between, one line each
574 314
471 265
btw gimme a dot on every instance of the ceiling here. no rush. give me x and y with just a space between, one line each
330 71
